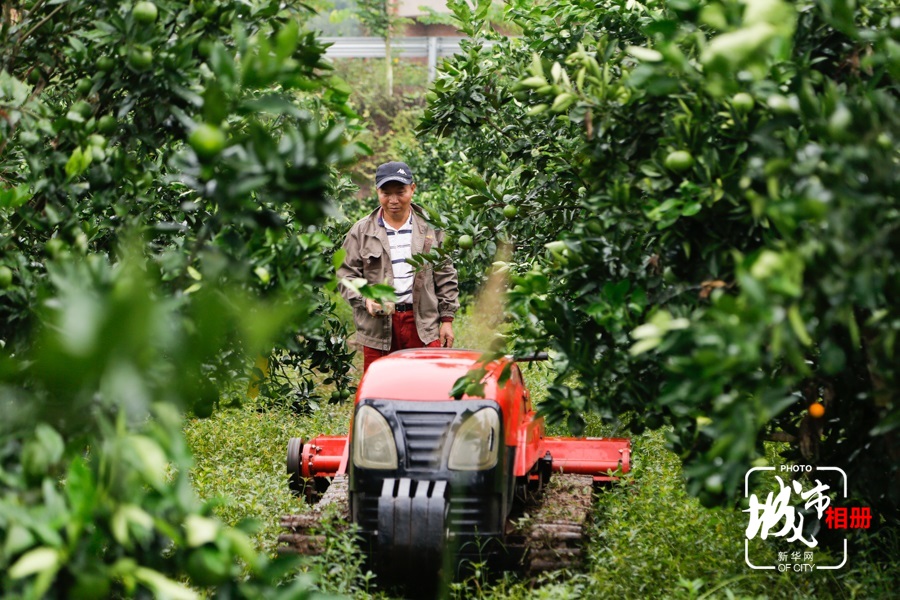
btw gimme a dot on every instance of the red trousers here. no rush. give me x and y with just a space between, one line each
403 335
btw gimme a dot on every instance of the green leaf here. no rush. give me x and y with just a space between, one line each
644 54
215 104
338 259
263 274
118 525
273 104
122 520
533 82
223 66
151 460
339 85
563 102
482 8
14 197
79 161
162 586
200 530
243 546
644 345
616 292
51 441
18 539
35 561
891 423
286 40
576 424
798 326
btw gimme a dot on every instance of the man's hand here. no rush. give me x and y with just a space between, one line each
447 335
377 310
374 308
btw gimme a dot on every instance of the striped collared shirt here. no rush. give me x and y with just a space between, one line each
401 249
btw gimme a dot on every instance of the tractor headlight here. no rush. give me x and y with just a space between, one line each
373 441
477 442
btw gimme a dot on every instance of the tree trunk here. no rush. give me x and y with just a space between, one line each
388 65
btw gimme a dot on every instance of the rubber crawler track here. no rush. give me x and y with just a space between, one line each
550 536
305 532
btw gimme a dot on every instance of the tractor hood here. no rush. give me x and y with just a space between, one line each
428 374
420 374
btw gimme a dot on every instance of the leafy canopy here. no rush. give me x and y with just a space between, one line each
706 231
164 167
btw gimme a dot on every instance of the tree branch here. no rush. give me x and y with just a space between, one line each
27 34
780 436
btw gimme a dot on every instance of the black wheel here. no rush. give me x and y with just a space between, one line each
315 488
295 466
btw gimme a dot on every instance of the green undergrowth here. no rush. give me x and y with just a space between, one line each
239 457
649 539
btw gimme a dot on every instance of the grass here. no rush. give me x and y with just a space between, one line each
649 538
240 459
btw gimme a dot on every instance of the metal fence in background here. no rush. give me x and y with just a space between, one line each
431 48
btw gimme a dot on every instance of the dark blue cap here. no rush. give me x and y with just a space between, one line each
393 171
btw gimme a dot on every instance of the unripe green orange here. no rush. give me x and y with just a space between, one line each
742 103
840 122
83 108
679 161
207 140
140 58
106 63
6 277
83 86
145 12
97 140
107 124
54 246
714 484
780 105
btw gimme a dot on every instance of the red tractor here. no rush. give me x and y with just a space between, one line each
426 477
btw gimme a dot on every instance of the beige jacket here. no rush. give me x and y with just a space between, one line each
435 287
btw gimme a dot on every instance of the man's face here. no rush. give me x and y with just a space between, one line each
395 198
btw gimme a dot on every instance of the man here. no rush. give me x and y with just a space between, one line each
377 248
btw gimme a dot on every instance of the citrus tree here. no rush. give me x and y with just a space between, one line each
164 167
380 19
701 198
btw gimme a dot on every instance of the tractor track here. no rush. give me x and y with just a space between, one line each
307 533
549 536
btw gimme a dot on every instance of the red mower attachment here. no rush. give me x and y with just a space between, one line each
312 465
598 457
